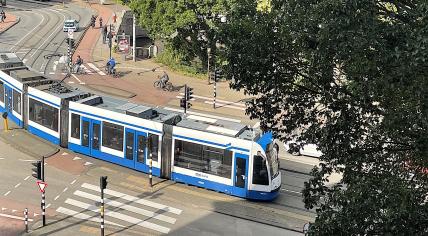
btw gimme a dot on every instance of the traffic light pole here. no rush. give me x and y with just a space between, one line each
43 193
215 86
185 98
110 43
69 56
102 212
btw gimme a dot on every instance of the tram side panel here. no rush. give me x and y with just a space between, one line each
12 98
211 161
115 137
44 115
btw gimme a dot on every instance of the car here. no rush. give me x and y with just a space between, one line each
308 149
71 24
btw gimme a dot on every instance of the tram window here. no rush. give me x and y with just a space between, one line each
17 101
129 154
1 92
141 142
113 136
154 146
260 173
75 126
202 158
43 114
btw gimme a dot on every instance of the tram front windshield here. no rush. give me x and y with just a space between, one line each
272 158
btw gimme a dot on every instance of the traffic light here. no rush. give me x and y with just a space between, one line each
218 74
183 102
37 170
103 182
70 43
189 92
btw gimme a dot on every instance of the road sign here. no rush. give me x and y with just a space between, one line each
70 33
42 186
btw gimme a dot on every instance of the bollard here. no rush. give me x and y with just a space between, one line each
150 171
26 219
6 124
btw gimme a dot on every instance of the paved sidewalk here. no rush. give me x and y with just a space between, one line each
10 21
138 77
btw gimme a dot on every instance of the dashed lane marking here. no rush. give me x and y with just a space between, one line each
6 193
74 181
17 185
27 178
76 158
87 163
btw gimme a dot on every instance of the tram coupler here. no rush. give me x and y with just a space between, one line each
6 124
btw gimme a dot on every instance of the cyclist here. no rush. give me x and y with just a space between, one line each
110 66
78 63
164 79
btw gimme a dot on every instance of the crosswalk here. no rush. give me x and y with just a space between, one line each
88 68
121 210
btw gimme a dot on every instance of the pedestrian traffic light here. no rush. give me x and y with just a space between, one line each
189 93
103 182
37 170
183 102
218 74
70 42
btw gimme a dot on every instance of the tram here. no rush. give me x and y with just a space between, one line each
214 154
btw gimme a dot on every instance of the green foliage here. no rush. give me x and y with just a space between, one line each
177 62
188 25
349 76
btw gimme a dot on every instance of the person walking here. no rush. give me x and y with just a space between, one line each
104 33
2 16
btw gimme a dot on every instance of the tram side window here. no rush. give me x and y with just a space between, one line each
75 126
202 158
1 92
154 146
260 173
113 136
17 102
43 114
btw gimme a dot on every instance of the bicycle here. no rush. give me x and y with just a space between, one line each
166 87
115 74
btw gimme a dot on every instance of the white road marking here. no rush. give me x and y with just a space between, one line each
82 216
119 216
25 60
217 100
76 158
87 163
218 105
13 211
76 78
180 97
35 214
291 191
27 177
203 114
56 198
48 38
126 207
6 193
72 182
96 69
86 70
15 217
256 125
3 208
133 199
65 189
1 158
64 153
16 44
27 160
17 185
54 66
48 205
70 82
51 73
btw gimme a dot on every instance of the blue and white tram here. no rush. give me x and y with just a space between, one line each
223 156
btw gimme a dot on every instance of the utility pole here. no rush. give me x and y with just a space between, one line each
215 86
208 66
103 185
109 40
133 38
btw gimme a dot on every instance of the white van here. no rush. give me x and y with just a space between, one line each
71 24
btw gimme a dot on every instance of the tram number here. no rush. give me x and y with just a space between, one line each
201 175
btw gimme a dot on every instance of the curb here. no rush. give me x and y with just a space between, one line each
10 26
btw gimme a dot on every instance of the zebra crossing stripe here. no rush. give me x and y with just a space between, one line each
133 199
127 207
96 69
83 216
119 216
86 70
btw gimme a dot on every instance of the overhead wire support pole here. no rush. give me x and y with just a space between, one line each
215 86
43 192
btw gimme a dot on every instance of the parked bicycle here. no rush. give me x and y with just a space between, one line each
163 83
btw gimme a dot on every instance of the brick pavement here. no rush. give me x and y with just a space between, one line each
10 21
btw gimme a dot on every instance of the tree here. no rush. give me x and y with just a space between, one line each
350 76
188 25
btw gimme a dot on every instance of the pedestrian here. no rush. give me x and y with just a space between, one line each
2 16
101 22
104 33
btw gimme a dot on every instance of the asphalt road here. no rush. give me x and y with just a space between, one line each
39 32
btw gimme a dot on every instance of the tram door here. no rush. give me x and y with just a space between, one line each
135 149
8 100
241 173
91 136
